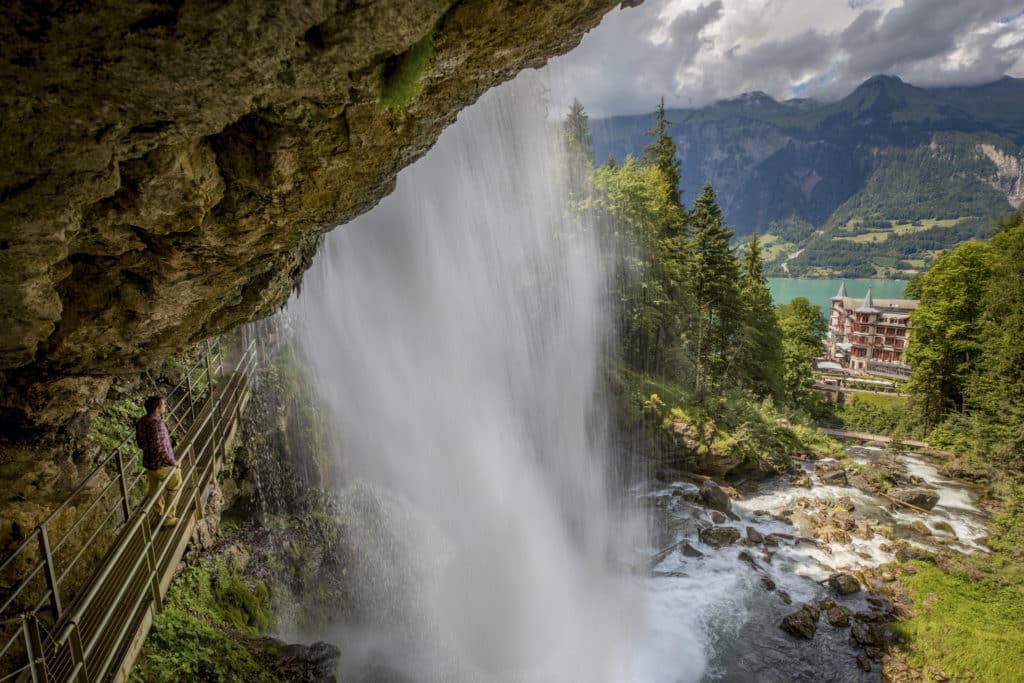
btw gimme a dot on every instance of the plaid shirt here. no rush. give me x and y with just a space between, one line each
154 440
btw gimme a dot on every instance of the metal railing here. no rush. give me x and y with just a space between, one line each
90 572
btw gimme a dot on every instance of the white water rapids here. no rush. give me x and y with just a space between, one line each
455 334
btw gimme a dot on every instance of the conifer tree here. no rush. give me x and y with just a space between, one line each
714 279
759 344
661 151
578 148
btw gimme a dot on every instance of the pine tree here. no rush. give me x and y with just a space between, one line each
758 360
578 148
714 281
661 151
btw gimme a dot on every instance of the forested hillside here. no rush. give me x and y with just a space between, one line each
891 174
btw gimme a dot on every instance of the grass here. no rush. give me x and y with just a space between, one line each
401 75
964 626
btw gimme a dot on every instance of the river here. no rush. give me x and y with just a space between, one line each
820 292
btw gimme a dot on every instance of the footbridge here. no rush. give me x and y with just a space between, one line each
79 594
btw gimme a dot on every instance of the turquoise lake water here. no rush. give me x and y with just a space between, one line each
820 292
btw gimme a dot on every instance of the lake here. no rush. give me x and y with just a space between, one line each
820 292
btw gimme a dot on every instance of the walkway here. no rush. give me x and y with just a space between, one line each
81 604
863 436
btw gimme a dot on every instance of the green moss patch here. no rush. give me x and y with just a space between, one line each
965 625
401 75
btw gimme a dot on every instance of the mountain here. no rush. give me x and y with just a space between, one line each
884 157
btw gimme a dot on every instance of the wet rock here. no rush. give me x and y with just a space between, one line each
944 527
316 663
920 527
717 517
844 584
802 623
830 473
888 577
719 536
918 497
689 551
896 670
784 596
767 583
867 634
908 553
714 497
864 662
838 616
802 481
677 493
754 536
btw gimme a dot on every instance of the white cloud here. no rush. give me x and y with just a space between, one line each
697 51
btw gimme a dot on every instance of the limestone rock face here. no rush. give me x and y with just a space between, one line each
166 169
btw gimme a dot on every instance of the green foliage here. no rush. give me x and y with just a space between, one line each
115 423
965 624
945 344
183 646
579 150
209 613
400 76
803 327
661 151
874 414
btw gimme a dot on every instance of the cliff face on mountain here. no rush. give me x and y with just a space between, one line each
774 161
167 168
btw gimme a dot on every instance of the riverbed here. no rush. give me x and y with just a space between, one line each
714 614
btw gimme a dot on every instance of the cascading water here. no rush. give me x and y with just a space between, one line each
455 333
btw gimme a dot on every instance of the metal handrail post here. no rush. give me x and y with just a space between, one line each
78 653
51 571
196 483
191 400
154 576
36 655
125 503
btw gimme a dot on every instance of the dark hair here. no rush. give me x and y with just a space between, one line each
151 403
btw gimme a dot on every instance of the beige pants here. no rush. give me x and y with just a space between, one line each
173 476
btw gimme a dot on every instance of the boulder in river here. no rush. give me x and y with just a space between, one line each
754 536
717 517
689 551
916 496
801 480
802 623
718 536
714 497
844 584
838 615
831 473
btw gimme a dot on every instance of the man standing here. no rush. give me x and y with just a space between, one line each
158 457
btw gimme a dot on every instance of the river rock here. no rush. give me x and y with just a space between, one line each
719 536
714 497
767 583
918 497
844 584
802 623
717 517
863 661
689 551
920 527
802 480
838 615
944 527
754 536
831 473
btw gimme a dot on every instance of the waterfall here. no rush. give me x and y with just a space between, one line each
455 333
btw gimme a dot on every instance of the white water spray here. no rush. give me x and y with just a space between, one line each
455 333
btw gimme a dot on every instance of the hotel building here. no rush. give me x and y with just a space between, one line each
870 335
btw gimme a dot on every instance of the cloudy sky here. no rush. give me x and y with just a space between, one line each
697 51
